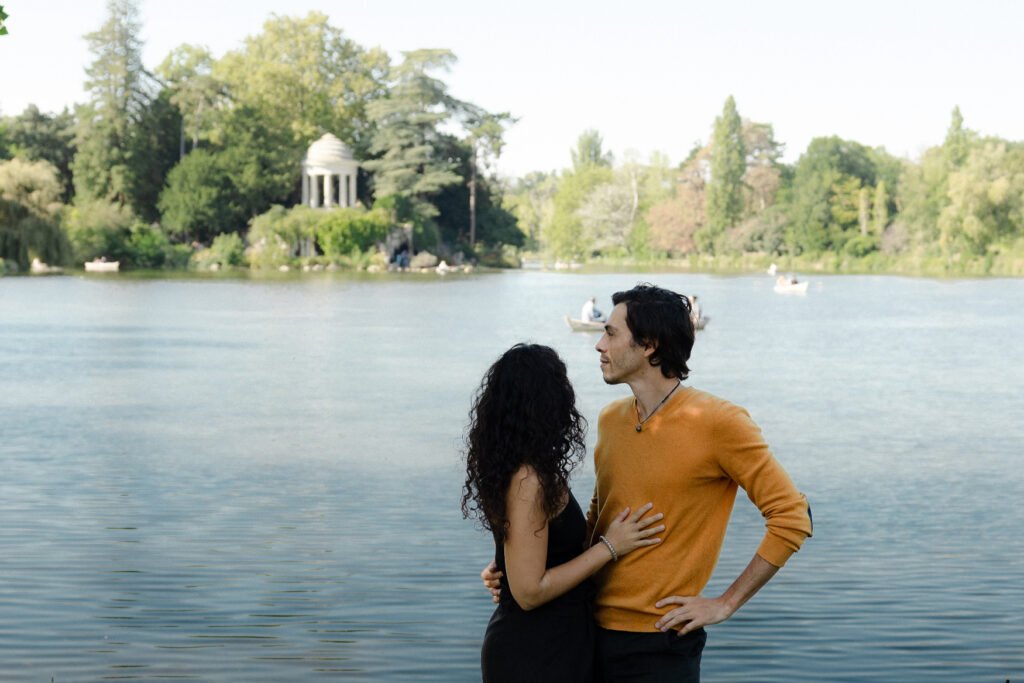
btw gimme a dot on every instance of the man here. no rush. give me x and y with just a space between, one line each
589 312
687 451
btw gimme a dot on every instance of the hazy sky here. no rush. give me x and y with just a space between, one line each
650 75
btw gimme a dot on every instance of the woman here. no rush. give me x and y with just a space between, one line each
525 437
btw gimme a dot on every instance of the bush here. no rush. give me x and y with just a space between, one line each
147 247
342 231
227 250
96 228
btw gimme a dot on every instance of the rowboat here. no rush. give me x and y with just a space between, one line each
98 266
791 287
577 325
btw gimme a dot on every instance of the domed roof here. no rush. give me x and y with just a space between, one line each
327 151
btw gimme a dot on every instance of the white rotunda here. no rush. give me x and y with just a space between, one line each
329 166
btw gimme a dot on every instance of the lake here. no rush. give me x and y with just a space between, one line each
259 480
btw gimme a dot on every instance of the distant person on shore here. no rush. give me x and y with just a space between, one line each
589 312
524 438
691 452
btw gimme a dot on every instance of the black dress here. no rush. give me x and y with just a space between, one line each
554 642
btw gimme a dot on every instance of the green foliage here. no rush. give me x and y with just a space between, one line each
588 151
304 77
340 231
35 136
531 201
199 201
3 19
566 237
227 250
119 95
187 73
728 165
494 224
825 196
34 185
153 152
98 229
25 235
880 209
148 248
30 212
986 199
406 138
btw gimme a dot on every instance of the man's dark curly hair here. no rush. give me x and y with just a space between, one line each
524 413
660 318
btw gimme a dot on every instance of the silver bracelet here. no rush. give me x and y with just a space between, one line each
611 548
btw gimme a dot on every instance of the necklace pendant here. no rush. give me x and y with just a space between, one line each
639 428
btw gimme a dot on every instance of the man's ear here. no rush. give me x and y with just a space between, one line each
650 346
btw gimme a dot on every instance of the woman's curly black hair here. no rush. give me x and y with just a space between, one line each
524 413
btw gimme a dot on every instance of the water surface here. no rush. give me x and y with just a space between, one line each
259 481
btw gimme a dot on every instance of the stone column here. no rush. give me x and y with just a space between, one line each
328 191
305 189
314 201
350 190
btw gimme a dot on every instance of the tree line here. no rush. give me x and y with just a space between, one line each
733 203
197 161
161 164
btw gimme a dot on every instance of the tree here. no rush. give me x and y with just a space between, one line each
986 199
763 176
958 141
30 209
495 225
880 210
486 139
606 214
405 142
728 165
676 221
566 238
588 151
3 18
824 201
304 77
187 73
153 152
198 202
36 136
532 200
119 90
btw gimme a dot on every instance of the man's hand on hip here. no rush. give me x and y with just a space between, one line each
693 612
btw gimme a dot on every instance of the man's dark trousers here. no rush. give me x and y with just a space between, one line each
649 657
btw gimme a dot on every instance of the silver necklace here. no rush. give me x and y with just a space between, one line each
636 404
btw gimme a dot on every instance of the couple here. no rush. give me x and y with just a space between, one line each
668 462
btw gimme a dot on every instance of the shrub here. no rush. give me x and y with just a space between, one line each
227 250
340 231
96 228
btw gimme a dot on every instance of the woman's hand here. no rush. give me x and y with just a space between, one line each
628 532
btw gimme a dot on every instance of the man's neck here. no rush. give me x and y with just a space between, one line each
651 389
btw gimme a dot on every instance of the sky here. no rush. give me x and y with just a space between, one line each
649 75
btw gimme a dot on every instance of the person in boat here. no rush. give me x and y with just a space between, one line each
589 312
524 438
697 450
695 312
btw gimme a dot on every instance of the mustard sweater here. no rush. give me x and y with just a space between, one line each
688 460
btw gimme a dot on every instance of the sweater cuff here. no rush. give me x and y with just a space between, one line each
773 551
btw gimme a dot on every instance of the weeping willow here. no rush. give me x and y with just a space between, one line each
25 236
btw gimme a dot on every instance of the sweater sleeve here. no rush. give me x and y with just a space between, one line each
745 458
